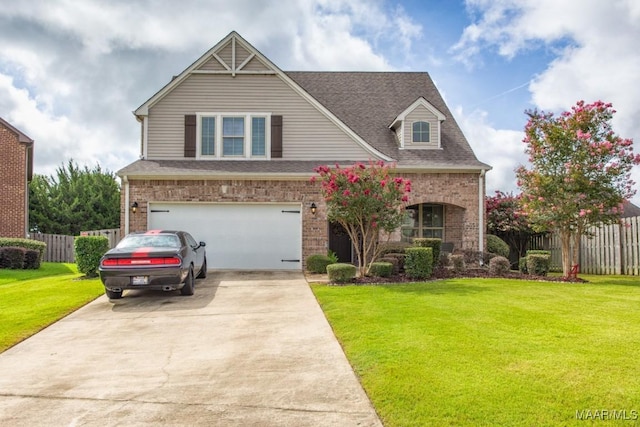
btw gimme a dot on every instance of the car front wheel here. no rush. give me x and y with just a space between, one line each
189 284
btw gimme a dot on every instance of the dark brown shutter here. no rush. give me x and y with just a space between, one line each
190 135
276 137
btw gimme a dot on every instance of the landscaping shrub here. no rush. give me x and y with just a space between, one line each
31 259
333 257
496 245
12 257
473 257
445 259
522 265
499 266
341 272
26 244
538 264
418 263
459 266
88 251
399 257
381 269
318 263
393 261
434 244
393 247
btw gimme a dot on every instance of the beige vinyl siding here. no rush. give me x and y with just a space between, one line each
307 133
422 114
212 65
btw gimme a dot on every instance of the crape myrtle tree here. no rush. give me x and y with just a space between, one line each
367 201
74 199
579 175
506 220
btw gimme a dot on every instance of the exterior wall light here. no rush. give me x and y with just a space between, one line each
313 208
134 207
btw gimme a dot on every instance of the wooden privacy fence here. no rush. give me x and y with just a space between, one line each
60 247
613 249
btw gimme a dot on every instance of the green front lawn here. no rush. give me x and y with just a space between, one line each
474 352
30 300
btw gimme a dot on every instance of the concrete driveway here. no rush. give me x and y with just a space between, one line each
249 349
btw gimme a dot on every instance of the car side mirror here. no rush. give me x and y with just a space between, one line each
203 244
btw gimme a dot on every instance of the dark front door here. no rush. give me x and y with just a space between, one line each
340 243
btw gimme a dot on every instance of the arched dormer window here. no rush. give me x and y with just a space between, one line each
421 132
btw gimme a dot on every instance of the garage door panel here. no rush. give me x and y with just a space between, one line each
238 236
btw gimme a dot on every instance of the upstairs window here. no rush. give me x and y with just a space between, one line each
421 132
233 136
258 136
208 136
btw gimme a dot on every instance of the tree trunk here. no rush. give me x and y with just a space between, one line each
565 239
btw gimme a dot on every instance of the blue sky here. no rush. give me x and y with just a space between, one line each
71 72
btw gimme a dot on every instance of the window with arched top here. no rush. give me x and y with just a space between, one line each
421 132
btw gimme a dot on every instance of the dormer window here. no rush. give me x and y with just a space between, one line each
418 127
421 132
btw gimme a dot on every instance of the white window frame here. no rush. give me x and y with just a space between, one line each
413 133
248 137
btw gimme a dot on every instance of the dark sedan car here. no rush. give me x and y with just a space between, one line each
156 259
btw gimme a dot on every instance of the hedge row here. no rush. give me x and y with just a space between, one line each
21 253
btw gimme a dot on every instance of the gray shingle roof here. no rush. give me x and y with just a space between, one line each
368 102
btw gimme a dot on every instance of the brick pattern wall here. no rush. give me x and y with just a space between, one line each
13 181
459 192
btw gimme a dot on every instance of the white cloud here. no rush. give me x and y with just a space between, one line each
71 72
594 43
502 149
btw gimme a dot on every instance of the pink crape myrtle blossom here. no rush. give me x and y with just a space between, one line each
366 200
579 174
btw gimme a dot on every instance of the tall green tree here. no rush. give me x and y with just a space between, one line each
366 200
74 199
580 173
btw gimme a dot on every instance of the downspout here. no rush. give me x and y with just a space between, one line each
125 181
481 214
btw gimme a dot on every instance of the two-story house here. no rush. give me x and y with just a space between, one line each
229 145
16 170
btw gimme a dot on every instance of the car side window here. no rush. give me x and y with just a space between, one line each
191 241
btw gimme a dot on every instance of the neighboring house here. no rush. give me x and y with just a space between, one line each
16 170
230 144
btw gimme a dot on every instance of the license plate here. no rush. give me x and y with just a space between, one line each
140 280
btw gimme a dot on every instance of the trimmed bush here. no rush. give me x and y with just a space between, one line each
522 265
381 269
12 257
459 266
88 251
393 247
496 245
31 260
473 257
433 243
318 263
393 261
419 262
399 257
341 272
26 244
538 264
499 266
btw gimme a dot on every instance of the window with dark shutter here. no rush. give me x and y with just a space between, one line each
276 137
190 135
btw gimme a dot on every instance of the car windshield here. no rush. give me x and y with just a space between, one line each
149 241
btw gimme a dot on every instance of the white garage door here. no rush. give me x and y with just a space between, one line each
238 236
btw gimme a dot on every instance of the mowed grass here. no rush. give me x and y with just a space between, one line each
30 300
483 352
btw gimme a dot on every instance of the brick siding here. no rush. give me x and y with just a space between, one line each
459 192
13 185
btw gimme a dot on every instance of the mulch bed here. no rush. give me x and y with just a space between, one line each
446 273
